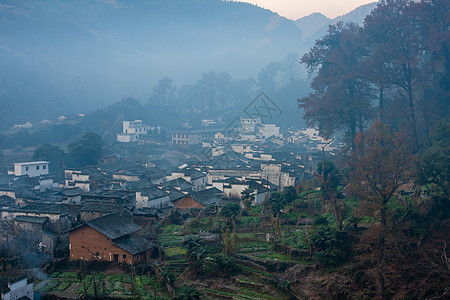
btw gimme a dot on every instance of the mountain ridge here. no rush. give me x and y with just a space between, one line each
316 24
83 55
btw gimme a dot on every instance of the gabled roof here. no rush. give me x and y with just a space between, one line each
174 194
134 245
162 164
194 174
257 187
73 192
101 207
153 192
180 183
46 208
207 197
31 219
113 226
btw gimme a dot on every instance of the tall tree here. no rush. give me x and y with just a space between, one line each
380 165
341 98
163 92
394 34
86 151
50 153
267 77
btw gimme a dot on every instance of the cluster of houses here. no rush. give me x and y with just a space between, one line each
103 212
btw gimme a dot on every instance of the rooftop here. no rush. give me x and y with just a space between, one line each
207 197
31 219
113 226
32 163
134 245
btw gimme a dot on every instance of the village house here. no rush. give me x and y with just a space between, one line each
152 196
232 189
199 199
80 179
72 196
32 169
109 238
190 136
180 184
132 130
93 210
16 288
108 158
198 179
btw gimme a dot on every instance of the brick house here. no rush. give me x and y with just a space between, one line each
109 238
199 199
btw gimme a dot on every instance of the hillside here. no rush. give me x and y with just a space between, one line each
315 25
61 56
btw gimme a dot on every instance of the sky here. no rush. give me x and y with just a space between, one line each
295 9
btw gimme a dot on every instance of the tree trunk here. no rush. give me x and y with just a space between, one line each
380 276
353 133
381 104
413 118
412 114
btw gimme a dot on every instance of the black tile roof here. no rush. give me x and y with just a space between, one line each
207 197
153 192
180 183
73 192
194 174
101 207
31 219
174 194
113 226
134 245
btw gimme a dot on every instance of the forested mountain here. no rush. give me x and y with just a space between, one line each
58 56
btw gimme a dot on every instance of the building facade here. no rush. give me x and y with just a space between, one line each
32 169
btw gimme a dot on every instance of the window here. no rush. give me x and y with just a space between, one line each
44 167
124 256
116 257
37 167
26 168
97 254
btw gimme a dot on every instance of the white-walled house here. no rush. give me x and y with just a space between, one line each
234 188
16 289
75 178
132 130
152 197
198 179
268 130
126 138
32 169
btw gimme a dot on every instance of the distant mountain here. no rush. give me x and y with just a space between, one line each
315 25
64 56
309 25
357 15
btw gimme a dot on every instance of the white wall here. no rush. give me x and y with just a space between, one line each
20 289
126 138
143 201
32 169
268 130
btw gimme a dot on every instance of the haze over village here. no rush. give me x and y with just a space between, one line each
207 149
